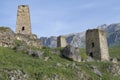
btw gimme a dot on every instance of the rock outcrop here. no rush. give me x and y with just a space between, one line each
35 53
71 53
16 75
114 69
8 38
30 40
96 71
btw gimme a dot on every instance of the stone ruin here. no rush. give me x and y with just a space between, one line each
96 45
30 40
23 24
23 30
61 41
23 27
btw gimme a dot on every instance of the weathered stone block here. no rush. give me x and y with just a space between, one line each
71 53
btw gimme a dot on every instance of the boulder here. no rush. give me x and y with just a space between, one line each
89 59
96 71
114 60
71 53
19 48
46 58
29 52
35 53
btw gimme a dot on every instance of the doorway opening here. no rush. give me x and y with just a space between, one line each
91 54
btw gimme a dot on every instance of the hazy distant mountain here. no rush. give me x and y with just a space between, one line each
78 39
49 42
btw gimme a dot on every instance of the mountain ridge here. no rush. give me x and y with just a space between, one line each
78 39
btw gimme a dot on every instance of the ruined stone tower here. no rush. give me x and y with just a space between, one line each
96 44
61 41
23 24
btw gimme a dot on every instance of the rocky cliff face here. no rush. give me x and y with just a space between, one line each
114 38
49 42
78 39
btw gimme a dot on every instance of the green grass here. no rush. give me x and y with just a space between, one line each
83 54
11 60
38 68
115 52
3 28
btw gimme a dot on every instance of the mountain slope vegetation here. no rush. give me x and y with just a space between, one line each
56 67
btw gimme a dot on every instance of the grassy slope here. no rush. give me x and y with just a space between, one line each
37 68
115 52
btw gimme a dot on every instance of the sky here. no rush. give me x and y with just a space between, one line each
59 17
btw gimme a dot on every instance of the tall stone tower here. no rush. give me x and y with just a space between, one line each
23 24
96 44
61 41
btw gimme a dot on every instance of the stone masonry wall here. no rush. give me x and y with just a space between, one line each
96 45
103 46
23 24
61 41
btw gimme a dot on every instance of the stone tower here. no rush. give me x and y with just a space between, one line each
96 45
23 24
61 41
